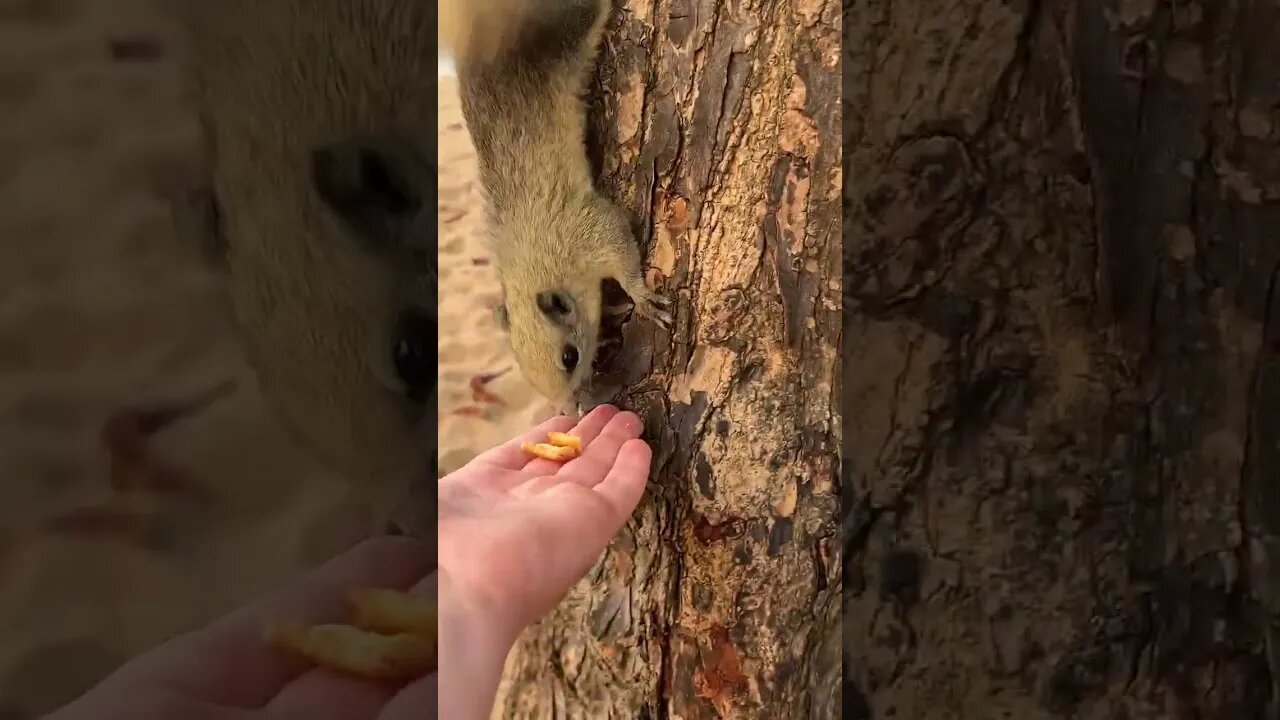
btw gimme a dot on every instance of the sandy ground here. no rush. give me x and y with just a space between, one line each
103 309
470 341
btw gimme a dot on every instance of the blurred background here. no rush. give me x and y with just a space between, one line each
117 529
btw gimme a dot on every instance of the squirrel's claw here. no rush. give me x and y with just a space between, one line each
650 304
665 319
652 308
655 307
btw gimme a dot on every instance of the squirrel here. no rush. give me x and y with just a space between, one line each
316 116
522 68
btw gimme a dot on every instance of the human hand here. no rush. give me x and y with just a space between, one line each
516 533
227 671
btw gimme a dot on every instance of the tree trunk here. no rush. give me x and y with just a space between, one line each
717 126
1062 359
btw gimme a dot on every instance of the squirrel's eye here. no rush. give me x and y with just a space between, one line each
569 358
414 354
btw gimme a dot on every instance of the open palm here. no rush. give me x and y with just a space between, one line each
517 532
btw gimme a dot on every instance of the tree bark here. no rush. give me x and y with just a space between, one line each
716 124
1062 359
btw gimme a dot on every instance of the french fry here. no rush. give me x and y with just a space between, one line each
565 440
549 452
399 657
392 612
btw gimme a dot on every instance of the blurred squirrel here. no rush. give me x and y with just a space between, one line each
522 69
316 209
317 201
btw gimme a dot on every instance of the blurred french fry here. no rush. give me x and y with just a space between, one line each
392 612
341 647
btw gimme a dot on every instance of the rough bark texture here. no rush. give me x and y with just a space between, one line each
1062 359
717 126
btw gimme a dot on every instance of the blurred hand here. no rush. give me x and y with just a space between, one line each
515 534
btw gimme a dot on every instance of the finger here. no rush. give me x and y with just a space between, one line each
416 701
145 701
322 694
428 586
591 467
587 430
327 695
600 456
585 519
509 456
230 661
624 485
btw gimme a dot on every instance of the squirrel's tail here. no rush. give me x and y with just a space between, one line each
477 30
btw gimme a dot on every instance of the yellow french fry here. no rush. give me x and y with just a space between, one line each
347 649
391 612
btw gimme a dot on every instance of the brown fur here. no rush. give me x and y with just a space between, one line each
317 308
552 231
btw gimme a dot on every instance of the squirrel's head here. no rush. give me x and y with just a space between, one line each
553 335
552 264
324 250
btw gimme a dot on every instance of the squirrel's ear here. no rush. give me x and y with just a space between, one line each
500 317
375 186
196 218
556 305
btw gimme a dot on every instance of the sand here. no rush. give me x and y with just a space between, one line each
103 309
470 341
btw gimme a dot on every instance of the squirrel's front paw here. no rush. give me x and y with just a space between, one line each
656 307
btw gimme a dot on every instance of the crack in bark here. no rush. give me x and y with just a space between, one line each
665 674
1245 480
1007 89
